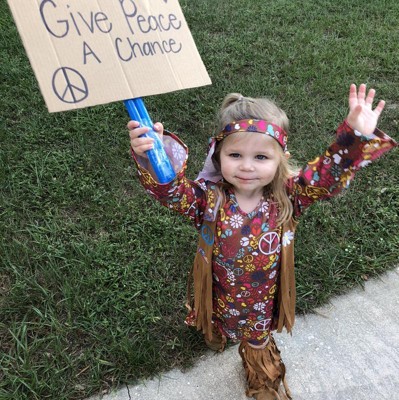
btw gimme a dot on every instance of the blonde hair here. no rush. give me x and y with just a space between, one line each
236 107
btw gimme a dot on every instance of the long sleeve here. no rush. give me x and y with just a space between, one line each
187 197
327 175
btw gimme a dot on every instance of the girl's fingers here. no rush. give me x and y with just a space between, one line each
380 107
136 132
132 124
370 97
140 150
158 127
352 96
357 97
141 145
138 142
361 94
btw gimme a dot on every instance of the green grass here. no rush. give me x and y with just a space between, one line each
93 272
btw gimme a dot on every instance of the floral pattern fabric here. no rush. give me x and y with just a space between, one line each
247 247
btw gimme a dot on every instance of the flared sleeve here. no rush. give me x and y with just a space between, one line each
193 199
327 175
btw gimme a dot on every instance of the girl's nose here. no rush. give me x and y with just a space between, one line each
246 165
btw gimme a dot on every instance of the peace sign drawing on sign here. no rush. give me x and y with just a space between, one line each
69 85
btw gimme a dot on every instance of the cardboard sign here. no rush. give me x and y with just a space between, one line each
88 52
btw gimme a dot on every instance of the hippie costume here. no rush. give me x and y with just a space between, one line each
244 285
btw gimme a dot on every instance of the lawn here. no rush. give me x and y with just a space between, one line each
93 272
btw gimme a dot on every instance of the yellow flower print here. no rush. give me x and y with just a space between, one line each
211 199
183 202
221 303
249 268
229 299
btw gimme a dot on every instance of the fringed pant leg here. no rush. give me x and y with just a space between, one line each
265 371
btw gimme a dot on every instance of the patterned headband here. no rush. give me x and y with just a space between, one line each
256 125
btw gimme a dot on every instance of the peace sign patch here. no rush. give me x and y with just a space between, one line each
269 243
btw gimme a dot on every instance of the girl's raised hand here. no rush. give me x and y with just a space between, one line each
361 115
142 144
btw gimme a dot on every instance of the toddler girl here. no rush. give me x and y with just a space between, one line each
245 204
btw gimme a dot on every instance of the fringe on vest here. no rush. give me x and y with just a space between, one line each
200 315
285 317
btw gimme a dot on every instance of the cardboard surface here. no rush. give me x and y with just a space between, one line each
88 52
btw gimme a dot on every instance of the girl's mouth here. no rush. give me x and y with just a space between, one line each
245 179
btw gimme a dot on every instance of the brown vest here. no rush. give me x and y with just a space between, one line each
201 273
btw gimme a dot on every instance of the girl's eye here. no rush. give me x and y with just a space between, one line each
234 155
261 157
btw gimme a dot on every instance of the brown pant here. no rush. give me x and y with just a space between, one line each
265 371
264 368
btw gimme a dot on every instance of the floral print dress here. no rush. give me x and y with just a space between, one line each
247 246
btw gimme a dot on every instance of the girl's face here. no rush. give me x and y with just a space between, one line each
249 161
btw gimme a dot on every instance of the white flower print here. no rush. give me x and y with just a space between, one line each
236 221
178 152
273 274
287 238
259 306
265 207
234 312
230 277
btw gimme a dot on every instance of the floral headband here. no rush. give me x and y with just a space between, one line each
256 125
209 172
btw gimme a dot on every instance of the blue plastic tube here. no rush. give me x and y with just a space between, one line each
157 156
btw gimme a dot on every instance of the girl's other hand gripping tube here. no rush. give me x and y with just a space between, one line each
141 144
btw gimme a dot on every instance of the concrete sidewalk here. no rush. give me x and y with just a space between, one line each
348 350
